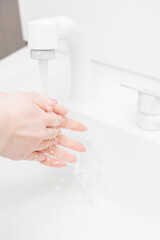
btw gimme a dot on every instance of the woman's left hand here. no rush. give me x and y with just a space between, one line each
54 155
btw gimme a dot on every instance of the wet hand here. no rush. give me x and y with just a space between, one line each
31 129
48 152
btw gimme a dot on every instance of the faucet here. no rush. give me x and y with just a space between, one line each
43 37
148 112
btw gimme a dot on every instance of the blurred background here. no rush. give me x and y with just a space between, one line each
10 28
123 33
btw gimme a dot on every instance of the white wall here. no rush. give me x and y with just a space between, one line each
124 33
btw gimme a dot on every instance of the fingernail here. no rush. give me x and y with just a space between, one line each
58 164
83 128
42 158
52 102
72 159
83 149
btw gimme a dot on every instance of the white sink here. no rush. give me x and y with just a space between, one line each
112 192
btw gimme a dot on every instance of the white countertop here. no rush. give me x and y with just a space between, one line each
115 105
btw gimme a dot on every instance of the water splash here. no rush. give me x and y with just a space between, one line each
89 171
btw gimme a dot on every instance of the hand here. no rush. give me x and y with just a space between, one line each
55 156
22 124
30 129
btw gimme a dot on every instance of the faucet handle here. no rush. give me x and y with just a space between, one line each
141 90
148 102
148 115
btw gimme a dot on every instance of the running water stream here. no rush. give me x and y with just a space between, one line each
87 174
43 73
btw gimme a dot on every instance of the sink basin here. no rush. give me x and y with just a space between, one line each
112 192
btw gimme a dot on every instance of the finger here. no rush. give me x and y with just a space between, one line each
46 144
53 120
70 143
41 101
60 109
60 154
42 158
72 124
51 162
57 108
52 102
52 133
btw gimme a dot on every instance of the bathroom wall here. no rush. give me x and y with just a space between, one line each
10 28
123 33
